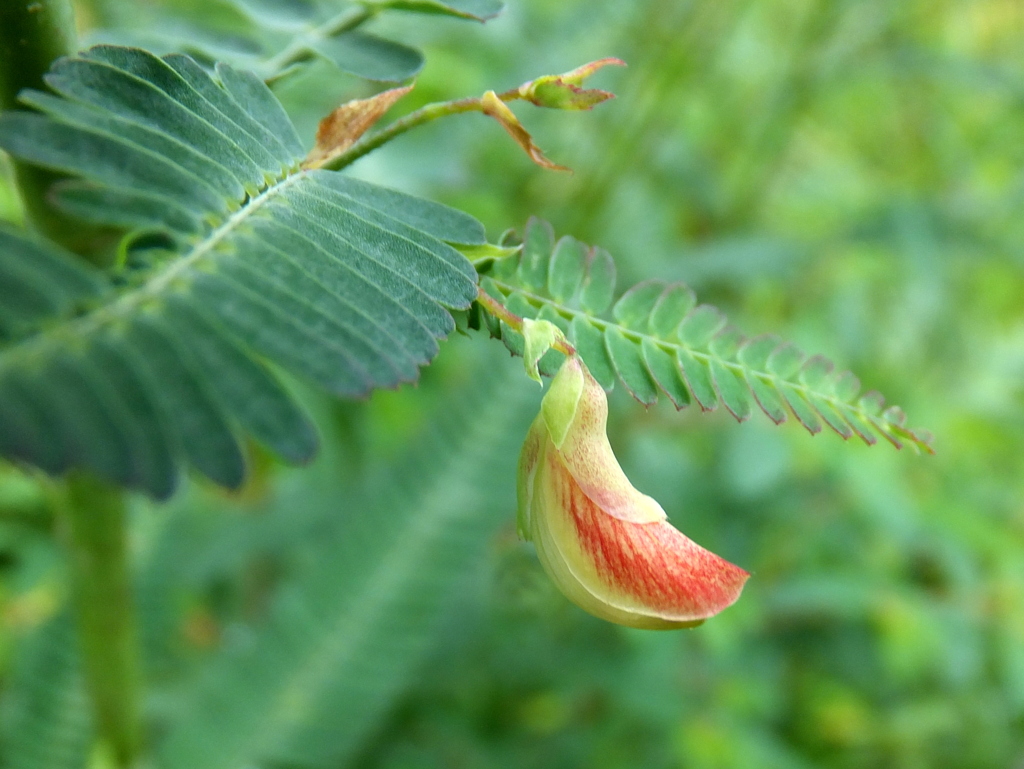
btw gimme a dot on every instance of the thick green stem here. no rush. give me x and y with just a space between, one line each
33 34
93 517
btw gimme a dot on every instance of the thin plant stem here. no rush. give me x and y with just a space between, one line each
92 516
513 321
298 50
423 115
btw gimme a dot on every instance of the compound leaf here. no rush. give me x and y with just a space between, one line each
135 371
658 338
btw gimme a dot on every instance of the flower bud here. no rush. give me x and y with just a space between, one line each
566 91
607 546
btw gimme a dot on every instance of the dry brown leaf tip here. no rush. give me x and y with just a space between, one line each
494 107
344 126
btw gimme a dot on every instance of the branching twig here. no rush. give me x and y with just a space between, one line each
499 311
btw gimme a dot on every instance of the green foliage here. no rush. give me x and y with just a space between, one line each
275 37
351 626
40 281
480 10
364 596
46 719
659 337
238 251
843 173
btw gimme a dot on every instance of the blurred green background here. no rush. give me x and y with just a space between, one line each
846 173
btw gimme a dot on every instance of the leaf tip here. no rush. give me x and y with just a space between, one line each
343 127
492 106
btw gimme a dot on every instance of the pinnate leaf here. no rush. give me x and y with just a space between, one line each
135 373
277 37
369 56
656 338
278 14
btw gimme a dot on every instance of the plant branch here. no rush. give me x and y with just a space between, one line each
513 321
298 50
415 119
93 520
554 91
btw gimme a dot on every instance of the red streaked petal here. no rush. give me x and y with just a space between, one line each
554 563
647 570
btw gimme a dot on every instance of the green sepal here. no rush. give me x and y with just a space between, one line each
529 458
539 336
562 399
565 91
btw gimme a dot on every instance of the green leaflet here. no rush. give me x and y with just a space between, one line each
278 14
566 269
480 10
369 56
657 338
39 280
342 282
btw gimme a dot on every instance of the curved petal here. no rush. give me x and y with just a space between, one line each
527 471
588 456
646 575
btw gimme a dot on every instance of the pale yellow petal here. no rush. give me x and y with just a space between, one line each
586 453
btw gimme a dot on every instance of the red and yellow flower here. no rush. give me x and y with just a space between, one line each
607 546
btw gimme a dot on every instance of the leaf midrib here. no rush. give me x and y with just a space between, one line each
160 280
351 626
